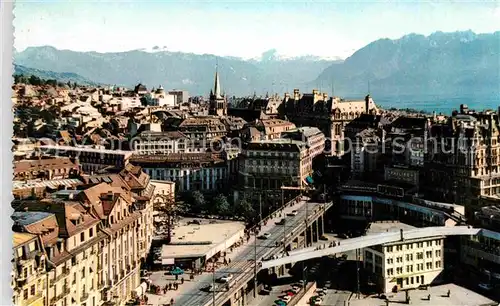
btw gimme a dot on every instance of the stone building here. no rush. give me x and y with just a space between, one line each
330 115
464 159
266 166
217 100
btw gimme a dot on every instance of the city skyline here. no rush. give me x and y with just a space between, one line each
214 27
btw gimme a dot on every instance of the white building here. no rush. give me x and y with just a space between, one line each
406 264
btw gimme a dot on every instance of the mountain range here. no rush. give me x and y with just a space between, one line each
51 75
441 63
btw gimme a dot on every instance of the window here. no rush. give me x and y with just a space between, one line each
409 269
91 233
428 254
420 255
409 257
438 242
31 246
438 264
32 290
25 294
438 253
390 261
83 273
82 237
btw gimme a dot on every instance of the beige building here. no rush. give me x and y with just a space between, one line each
29 276
474 169
266 166
94 239
406 264
266 129
330 115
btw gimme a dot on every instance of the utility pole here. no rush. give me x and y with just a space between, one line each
213 282
358 257
260 208
284 236
255 265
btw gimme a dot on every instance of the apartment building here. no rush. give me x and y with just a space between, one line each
466 163
94 239
90 158
330 115
266 129
29 276
312 136
151 143
266 166
406 264
45 168
205 172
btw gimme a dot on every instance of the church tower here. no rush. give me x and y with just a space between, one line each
218 104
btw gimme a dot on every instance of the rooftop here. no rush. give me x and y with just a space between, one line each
21 238
198 240
29 217
459 296
387 226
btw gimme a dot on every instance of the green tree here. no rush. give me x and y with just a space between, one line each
197 202
220 205
244 208
34 80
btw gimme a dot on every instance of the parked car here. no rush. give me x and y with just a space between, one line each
292 213
279 303
286 298
176 271
323 237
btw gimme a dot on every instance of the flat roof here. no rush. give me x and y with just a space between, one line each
20 238
387 226
197 240
459 296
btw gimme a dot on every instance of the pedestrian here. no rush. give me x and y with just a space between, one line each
177 277
229 260
172 301
182 280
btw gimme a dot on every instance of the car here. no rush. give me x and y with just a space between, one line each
176 271
286 298
264 236
318 301
484 286
328 284
279 303
226 278
323 237
295 290
281 222
208 288
292 213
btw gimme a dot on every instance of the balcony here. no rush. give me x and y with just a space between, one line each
64 273
65 291
84 296
101 285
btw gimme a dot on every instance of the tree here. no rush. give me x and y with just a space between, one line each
197 202
243 208
220 206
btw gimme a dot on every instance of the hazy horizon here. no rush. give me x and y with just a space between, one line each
241 29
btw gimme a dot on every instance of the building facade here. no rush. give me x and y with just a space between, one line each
405 265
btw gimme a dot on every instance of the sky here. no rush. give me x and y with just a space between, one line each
241 28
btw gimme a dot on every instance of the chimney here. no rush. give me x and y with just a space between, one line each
315 92
296 93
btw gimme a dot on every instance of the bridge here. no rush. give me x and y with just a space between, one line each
367 241
299 229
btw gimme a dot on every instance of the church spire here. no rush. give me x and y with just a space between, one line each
217 90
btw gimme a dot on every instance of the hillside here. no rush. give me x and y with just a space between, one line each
443 63
193 72
50 75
